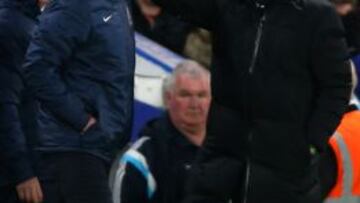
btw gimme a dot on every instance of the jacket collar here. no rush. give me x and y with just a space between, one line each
176 136
167 131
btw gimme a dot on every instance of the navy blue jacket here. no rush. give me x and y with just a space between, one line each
17 119
81 62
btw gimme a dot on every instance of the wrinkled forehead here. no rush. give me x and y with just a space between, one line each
191 78
192 83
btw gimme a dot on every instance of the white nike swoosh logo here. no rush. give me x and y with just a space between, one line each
106 19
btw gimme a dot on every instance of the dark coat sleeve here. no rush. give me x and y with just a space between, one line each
332 77
61 30
13 150
199 12
327 171
134 185
134 188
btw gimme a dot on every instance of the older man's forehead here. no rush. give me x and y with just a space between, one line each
188 78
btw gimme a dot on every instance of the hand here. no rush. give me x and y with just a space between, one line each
92 121
30 191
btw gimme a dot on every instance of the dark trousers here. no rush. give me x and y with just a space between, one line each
8 194
74 177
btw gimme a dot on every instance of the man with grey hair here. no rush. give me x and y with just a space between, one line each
155 168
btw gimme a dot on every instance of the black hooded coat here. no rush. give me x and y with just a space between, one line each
280 83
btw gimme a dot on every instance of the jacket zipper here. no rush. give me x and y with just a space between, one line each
247 175
259 33
247 180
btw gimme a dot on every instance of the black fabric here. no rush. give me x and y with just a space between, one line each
215 181
167 30
352 27
8 194
327 171
351 108
134 187
169 155
282 97
262 180
72 177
